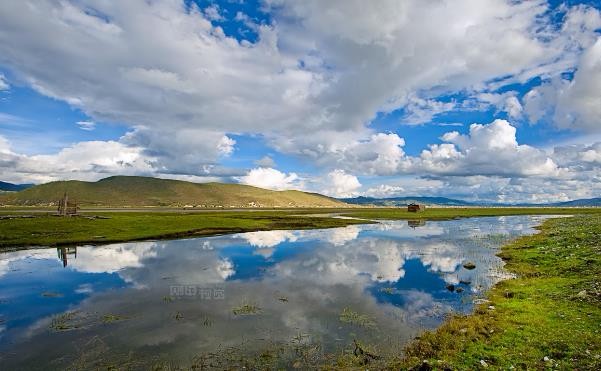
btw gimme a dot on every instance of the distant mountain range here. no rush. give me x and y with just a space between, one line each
402 201
119 191
10 187
581 202
443 201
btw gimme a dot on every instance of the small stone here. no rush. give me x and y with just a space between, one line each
491 307
469 265
465 282
546 359
581 294
483 363
459 289
451 288
463 330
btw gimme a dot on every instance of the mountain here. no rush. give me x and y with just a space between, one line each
144 191
402 201
10 187
443 201
581 202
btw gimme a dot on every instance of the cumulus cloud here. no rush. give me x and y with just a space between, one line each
490 149
341 184
84 160
270 178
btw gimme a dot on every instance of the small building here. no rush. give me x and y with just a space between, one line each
66 207
414 208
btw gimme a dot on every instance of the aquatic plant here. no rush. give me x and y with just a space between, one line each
350 316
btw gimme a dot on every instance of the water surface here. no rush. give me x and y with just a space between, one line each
306 293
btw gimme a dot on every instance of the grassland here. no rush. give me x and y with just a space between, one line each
547 318
49 230
465 212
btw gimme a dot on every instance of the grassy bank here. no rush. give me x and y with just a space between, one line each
123 226
450 213
547 318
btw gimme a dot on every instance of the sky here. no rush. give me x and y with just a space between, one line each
483 100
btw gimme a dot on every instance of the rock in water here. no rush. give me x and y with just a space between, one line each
469 265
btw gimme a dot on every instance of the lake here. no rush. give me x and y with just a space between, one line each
295 298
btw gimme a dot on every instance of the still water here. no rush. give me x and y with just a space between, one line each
213 301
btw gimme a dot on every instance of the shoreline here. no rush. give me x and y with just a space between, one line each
531 321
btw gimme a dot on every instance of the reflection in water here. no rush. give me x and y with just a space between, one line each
169 300
416 223
64 252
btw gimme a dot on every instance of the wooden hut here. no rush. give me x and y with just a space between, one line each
66 207
414 208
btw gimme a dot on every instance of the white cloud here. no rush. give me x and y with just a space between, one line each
504 102
421 111
85 161
384 191
86 125
265 161
341 184
490 150
212 13
569 104
270 178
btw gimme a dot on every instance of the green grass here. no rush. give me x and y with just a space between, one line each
47 230
450 213
549 317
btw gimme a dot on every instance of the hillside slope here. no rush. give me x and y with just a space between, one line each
143 191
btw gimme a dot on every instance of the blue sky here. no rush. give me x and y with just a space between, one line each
488 100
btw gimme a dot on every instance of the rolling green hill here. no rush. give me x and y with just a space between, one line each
118 191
